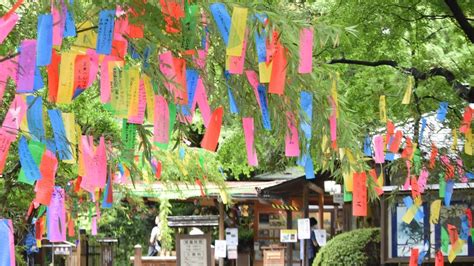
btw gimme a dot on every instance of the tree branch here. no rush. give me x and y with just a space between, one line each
461 19
463 90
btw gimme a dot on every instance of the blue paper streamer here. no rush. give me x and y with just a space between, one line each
106 204
38 82
34 117
182 153
146 57
6 231
261 45
44 44
70 25
422 130
234 109
192 77
442 111
423 253
389 156
106 32
448 192
470 175
367 146
408 201
62 146
28 165
306 103
464 234
262 94
308 167
51 145
222 19
261 17
132 51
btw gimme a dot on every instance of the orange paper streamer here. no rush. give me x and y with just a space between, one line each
211 137
359 194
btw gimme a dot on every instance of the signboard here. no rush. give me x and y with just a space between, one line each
304 231
193 250
338 198
232 252
232 236
288 235
220 249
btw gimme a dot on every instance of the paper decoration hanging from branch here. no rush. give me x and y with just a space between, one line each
359 194
408 91
306 51
249 130
211 137
7 23
382 109
292 146
45 40
237 31
26 67
57 216
7 248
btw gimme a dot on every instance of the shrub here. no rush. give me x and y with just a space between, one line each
358 247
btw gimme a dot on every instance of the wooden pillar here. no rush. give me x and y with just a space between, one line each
221 228
138 256
289 249
321 211
305 215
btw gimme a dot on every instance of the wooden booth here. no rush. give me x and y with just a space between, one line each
398 237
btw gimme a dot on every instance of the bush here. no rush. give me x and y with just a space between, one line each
358 247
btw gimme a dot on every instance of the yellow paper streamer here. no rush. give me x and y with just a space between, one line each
382 109
150 99
71 136
410 214
408 91
85 39
134 86
454 251
468 142
454 147
434 211
265 72
66 77
237 31
80 161
348 181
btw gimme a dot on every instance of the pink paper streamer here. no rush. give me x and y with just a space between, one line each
94 66
26 67
59 21
15 114
252 77
249 141
333 122
407 180
162 120
169 71
9 69
422 179
95 161
138 119
7 24
94 226
57 217
236 64
460 169
379 152
306 51
202 102
292 147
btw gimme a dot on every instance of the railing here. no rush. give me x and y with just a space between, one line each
139 260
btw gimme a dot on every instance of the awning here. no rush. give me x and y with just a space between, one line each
181 191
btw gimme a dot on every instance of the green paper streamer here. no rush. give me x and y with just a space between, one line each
129 135
444 240
189 26
36 149
347 196
172 112
442 185
417 161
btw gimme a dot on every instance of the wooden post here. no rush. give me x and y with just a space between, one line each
321 211
289 249
305 215
221 228
138 255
